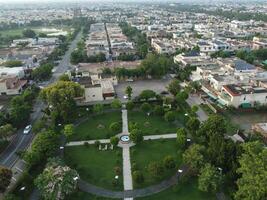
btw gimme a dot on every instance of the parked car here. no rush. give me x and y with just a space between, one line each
27 129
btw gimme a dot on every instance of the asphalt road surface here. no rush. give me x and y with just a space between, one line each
21 142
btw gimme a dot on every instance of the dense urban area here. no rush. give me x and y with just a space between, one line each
133 100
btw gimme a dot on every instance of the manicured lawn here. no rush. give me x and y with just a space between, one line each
187 191
95 166
154 151
154 124
97 127
85 196
18 31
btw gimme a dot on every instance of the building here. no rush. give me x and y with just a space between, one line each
11 85
260 128
244 96
194 59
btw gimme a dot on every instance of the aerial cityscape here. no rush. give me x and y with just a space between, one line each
136 99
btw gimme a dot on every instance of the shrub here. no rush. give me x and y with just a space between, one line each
169 116
86 144
159 110
130 105
97 143
138 177
136 136
114 140
115 126
117 170
169 162
156 169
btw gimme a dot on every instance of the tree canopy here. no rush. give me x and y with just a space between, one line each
60 98
57 180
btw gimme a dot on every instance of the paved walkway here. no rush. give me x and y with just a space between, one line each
157 137
78 143
127 172
125 121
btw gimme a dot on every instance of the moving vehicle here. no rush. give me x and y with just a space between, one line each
27 129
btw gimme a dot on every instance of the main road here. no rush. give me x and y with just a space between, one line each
21 142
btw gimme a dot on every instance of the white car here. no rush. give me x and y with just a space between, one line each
125 97
27 129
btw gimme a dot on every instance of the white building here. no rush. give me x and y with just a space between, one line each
243 95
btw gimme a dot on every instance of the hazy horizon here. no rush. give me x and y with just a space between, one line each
123 1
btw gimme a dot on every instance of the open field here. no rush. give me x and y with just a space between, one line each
153 124
154 151
187 191
95 166
97 127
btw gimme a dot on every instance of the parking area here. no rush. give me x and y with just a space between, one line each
138 86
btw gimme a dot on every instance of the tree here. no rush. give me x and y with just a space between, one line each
116 104
44 146
19 110
115 127
136 136
56 181
5 178
129 105
68 130
156 169
193 125
158 110
211 133
181 138
174 87
129 91
169 162
147 94
43 72
169 116
145 107
114 140
29 33
252 185
6 131
12 63
64 77
61 99
209 179
98 108
194 109
138 177
194 157
181 98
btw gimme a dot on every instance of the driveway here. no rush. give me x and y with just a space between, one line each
157 86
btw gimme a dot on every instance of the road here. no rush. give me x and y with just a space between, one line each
195 100
20 142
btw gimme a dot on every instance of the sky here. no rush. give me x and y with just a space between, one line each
74 1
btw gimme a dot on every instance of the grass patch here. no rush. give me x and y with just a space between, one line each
18 31
95 166
83 195
97 127
150 151
187 191
154 124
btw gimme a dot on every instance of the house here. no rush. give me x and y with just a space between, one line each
244 96
260 128
11 85
194 59
92 92
12 72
